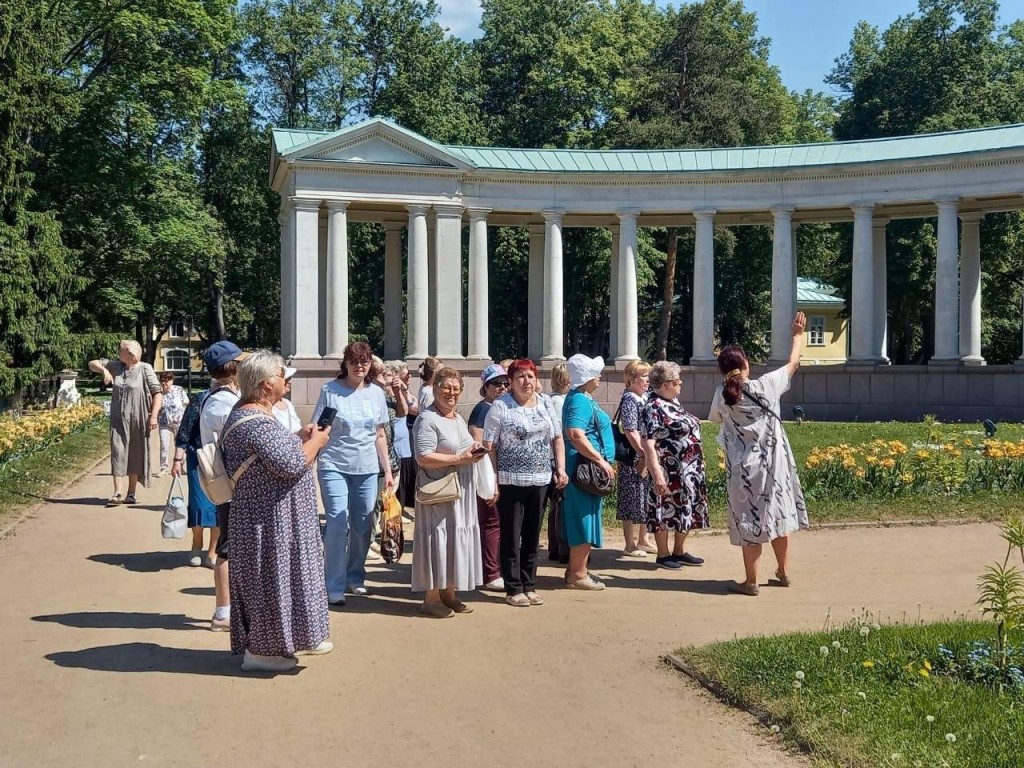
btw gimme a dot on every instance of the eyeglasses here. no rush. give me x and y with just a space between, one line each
503 383
451 390
358 363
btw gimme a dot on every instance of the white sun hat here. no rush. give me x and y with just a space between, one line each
582 369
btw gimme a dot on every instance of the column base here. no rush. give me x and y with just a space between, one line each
479 358
945 362
550 361
624 360
1019 362
703 362
862 361
973 361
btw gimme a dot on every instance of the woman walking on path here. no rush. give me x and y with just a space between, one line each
277 586
494 380
134 405
522 431
172 408
678 491
202 513
588 433
766 502
633 478
446 554
348 469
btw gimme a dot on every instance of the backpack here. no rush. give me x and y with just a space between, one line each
217 484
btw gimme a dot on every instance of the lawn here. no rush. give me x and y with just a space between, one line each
923 506
861 696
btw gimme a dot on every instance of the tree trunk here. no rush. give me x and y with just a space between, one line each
669 292
217 330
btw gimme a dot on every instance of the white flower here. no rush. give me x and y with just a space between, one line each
930 718
845 712
950 737
865 631
836 644
845 649
863 695
876 626
823 650
797 685
774 729
799 674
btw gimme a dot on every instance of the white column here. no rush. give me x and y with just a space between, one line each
478 325
287 280
535 294
783 305
393 290
337 279
627 336
862 309
448 282
880 348
305 303
947 290
554 334
613 296
704 287
416 292
970 289
796 258
431 284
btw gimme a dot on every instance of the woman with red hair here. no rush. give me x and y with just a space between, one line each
523 434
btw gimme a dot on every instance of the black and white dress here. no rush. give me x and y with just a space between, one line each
676 435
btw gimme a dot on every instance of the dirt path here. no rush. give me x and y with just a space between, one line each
107 660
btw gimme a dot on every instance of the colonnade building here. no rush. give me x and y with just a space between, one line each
380 172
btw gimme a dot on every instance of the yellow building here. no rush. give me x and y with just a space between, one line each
176 348
827 333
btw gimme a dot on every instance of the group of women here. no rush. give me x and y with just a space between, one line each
524 449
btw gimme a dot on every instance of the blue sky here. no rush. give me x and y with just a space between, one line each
807 35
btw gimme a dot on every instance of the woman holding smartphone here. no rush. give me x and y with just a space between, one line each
348 469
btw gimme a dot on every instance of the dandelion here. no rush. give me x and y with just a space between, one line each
797 685
869 664
865 631
799 674
844 649
876 626
775 729
823 650
836 644
930 718
951 738
863 696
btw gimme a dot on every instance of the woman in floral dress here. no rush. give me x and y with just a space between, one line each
172 409
631 509
678 500
766 502
278 596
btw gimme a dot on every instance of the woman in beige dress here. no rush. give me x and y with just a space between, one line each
134 407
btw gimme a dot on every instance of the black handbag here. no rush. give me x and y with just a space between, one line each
624 451
588 476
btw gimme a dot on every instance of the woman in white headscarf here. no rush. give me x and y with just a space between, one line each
588 435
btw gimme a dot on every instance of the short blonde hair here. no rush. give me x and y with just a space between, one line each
634 370
132 347
560 379
397 367
258 367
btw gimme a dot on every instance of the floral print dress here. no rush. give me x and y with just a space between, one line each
676 435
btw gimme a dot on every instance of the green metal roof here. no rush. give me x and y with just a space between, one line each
810 291
936 146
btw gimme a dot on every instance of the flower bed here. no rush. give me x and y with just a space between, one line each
22 436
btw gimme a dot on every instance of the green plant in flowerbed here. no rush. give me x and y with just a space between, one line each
947 694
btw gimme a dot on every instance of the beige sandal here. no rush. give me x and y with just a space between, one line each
752 590
436 611
518 601
783 579
534 598
458 606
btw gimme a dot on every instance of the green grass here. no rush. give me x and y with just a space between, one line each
846 714
935 508
25 482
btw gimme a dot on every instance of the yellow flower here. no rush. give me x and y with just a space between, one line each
928 665
923 672
888 463
869 664
922 454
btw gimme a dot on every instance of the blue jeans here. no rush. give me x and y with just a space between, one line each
348 502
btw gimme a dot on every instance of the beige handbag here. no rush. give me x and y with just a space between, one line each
441 491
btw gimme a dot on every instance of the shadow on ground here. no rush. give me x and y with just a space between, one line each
149 657
119 620
142 562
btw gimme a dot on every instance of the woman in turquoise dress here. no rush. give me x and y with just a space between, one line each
588 434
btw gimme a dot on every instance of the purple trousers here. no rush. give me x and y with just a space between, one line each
490 537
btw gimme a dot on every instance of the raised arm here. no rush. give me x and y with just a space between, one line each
799 325
100 367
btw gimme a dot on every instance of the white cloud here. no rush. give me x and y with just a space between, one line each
462 17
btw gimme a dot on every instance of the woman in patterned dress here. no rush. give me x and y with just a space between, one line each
169 418
521 431
766 502
134 406
278 596
678 496
633 478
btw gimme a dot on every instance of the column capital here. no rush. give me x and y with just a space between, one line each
417 209
627 213
947 203
451 211
305 203
880 222
972 216
704 214
337 205
535 229
553 214
476 214
782 211
393 226
862 207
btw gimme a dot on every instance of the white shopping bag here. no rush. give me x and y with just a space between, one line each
174 522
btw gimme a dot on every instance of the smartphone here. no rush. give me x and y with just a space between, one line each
326 418
479 451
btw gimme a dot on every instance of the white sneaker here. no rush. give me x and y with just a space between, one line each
196 560
375 547
498 585
335 598
325 647
361 591
253 663
371 555
220 625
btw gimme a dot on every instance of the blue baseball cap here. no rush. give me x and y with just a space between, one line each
492 371
220 353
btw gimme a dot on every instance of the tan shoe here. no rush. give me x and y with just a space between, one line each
436 611
752 590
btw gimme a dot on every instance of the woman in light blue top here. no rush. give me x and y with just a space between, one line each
348 469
